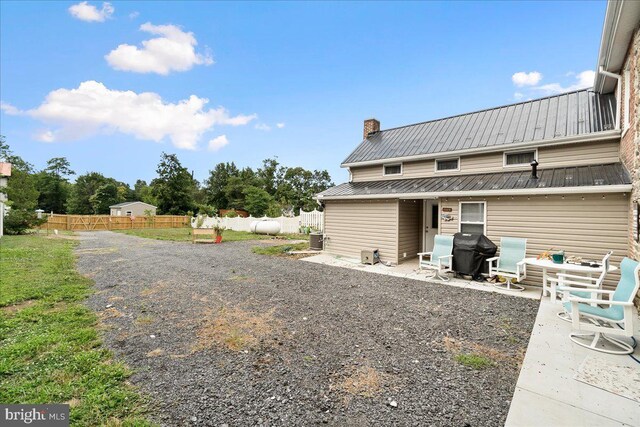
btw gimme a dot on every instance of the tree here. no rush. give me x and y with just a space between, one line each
256 201
79 201
21 192
174 187
54 186
270 175
105 196
142 191
215 185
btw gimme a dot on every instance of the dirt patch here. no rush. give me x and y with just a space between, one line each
110 313
11 309
155 353
462 347
363 381
236 329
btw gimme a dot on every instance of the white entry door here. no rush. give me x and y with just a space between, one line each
431 223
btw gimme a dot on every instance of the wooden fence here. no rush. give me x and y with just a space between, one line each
107 222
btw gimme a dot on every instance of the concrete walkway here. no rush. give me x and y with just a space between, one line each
409 269
547 393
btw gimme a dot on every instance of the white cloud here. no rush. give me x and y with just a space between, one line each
9 109
526 79
583 80
93 108
134 15
45 136
218 142
279 125
263 126
174 50
518 95
89 13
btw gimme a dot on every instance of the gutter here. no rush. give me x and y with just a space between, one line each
618 92
592 189
574 139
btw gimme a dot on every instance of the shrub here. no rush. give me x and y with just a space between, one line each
17 221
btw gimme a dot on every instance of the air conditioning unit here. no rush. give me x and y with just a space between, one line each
369 256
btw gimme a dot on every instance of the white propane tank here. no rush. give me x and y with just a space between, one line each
265 227
252 226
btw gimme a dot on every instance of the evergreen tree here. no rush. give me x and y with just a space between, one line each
174 187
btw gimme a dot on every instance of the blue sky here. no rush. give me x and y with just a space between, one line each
292 80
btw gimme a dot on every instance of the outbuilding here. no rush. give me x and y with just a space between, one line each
135 208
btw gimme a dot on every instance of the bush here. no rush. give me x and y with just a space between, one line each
17 221
231 214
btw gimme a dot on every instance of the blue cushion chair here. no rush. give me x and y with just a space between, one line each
605 318
510 264
440 259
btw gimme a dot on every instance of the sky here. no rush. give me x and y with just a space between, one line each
112 85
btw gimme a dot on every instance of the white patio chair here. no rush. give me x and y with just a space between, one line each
588 314
510 264
440 259
573 280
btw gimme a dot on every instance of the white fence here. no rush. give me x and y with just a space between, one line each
313 219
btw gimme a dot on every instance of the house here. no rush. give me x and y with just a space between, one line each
132 209
5 173
561 171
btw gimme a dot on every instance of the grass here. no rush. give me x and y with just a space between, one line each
50 351
363 381
472 360
184 234
280 249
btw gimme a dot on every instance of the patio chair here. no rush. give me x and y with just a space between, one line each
585 282
587 314
440 259
510 264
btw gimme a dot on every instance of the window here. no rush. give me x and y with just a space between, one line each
627 99
128 213
520 158
447 165
395 169
473 217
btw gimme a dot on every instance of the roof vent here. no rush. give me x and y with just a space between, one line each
534 169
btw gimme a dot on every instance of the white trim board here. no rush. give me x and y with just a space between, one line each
595 189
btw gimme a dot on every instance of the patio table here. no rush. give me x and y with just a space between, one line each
547 264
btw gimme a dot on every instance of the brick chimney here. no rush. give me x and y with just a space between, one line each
371 126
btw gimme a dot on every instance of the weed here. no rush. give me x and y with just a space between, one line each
473 360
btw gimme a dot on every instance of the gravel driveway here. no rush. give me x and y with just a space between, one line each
220 336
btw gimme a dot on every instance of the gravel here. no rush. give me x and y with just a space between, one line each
154 297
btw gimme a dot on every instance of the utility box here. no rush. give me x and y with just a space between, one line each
369 256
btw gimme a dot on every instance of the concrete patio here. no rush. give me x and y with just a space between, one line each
409 269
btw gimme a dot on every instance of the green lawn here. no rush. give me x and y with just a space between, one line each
280 249
184 234
50 351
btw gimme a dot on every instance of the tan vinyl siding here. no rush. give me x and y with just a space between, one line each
587 228
351 226
549 157
409 226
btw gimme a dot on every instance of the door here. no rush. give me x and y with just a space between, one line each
431 223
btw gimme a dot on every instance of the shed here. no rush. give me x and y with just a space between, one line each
135 208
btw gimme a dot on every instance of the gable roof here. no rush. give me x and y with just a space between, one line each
571 114
123 204
603 178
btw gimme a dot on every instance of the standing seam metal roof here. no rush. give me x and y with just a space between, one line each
567 177
568 114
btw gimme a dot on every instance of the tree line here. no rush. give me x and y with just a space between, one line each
272 189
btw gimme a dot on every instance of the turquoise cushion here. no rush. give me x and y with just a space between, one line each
611 313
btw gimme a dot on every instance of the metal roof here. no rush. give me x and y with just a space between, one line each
569 114
557 178
120 205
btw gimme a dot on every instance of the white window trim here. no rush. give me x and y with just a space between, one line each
484 220
519 165
384 168
435 165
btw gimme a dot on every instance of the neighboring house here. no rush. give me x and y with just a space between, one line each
473 173
132 209
5 173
